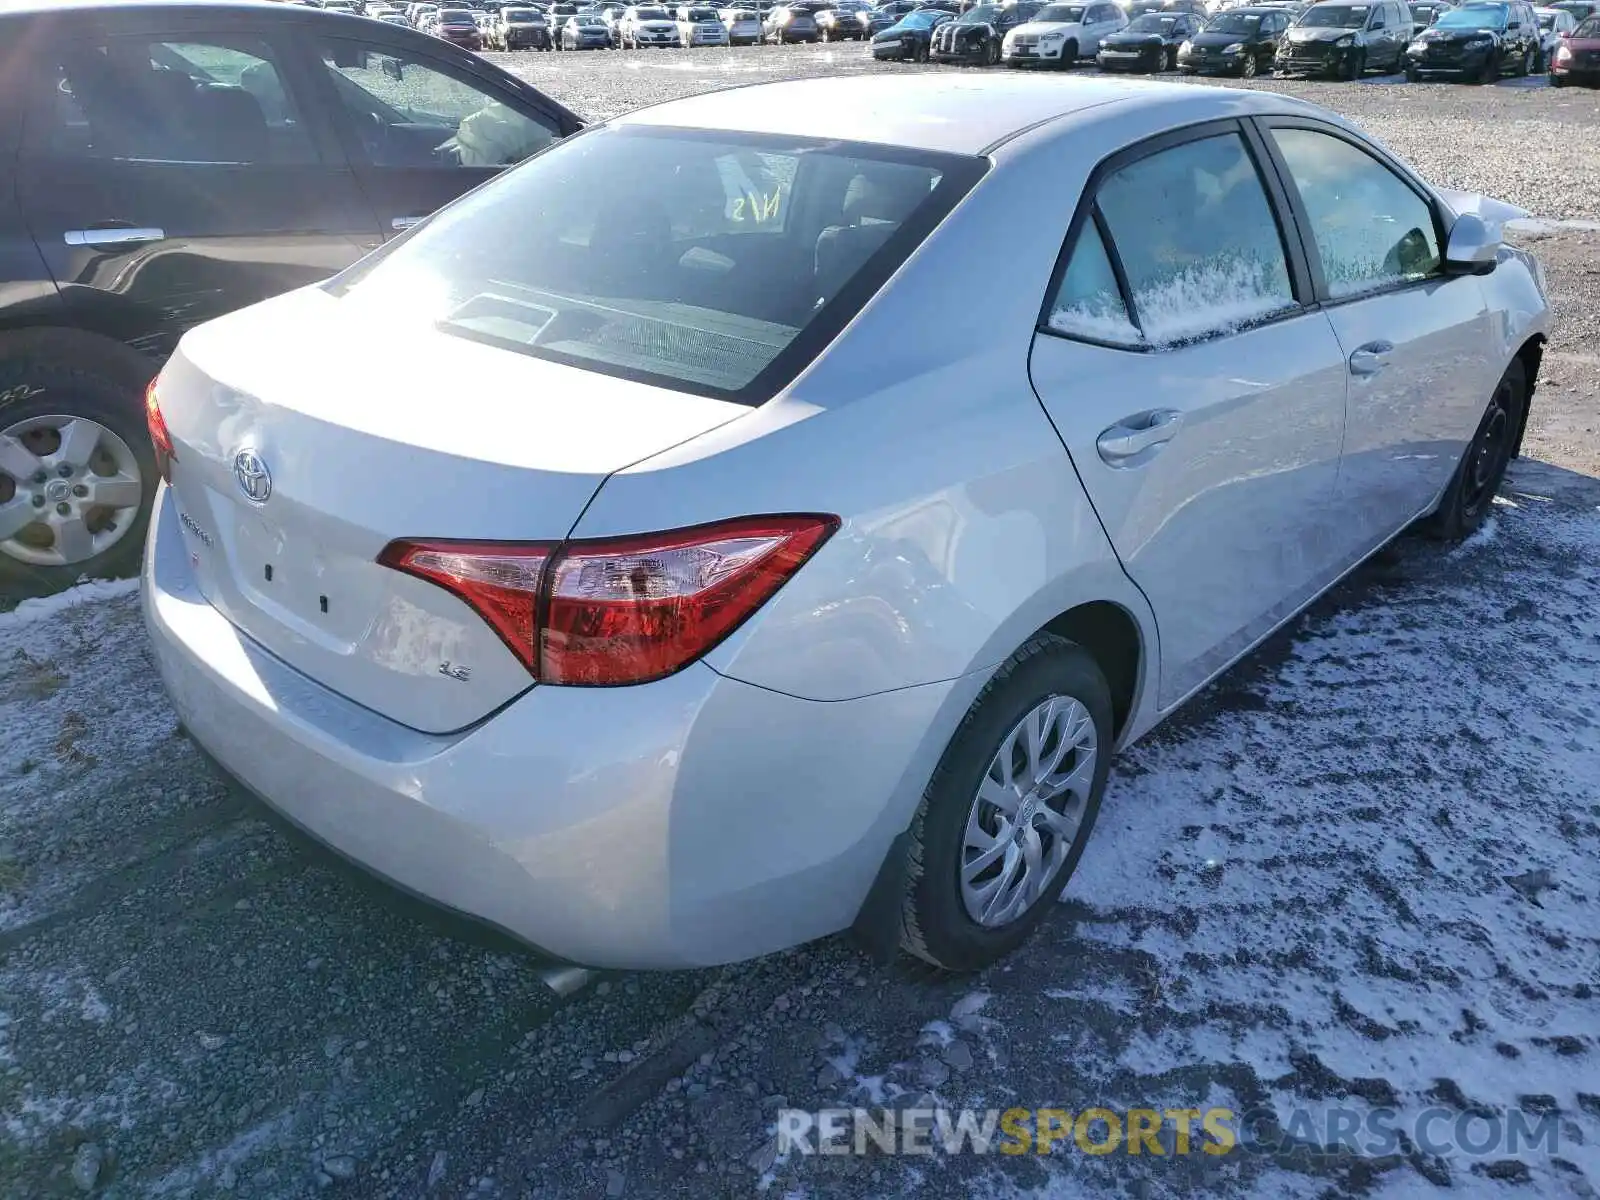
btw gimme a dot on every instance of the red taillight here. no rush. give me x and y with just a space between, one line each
620 610
160 438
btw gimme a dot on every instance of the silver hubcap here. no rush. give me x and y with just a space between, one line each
1028 811
70 489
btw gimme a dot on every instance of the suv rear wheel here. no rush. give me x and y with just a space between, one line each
77 475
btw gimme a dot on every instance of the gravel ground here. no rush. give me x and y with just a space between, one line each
1359 871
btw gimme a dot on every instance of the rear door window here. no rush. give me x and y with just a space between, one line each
1197 242
196 100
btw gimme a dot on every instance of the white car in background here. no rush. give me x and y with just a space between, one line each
701 25
719 615
1062 34
647 25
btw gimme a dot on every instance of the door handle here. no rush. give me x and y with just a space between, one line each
1132 436
1371 358
400 223
121 235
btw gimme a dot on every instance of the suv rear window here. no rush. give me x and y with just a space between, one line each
718 264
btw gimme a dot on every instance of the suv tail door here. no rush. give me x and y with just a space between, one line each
175 171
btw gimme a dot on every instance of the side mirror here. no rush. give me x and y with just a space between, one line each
393 68
1473 247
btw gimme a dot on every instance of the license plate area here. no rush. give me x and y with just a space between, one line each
295 581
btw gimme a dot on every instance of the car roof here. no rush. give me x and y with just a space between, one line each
966 114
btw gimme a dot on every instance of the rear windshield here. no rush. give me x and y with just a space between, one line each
713 263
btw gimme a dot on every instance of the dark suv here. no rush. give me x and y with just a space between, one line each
1478 43
167 163
1346 40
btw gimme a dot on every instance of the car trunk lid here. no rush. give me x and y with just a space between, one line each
306 438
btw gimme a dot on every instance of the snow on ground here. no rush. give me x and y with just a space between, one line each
1359 873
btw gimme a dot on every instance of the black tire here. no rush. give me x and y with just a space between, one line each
1470 495
1491 70
40 376
934 923
1525 68
1412 75
1356 66
1249 67
1557 81
991 57
1069 55
1172 58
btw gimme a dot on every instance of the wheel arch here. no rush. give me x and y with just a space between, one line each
1530 354
101 351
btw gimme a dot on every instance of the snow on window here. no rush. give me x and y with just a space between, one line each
1103 324
1210 298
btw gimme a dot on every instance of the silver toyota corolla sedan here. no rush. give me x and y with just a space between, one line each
654 556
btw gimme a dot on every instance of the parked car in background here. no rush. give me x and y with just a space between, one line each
458 27
743 24
1426 12
1478 43
1581 10
647 25
790 23
975 37
1062 34
394 18
843 21
1554 25
1238 41
522 29
586 31
1198 8
1346 40
166 165
1149 43
909 39
749 545
701 25
1577 59
417 13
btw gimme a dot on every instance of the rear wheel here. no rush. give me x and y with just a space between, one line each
1470 495
77 475
1009 810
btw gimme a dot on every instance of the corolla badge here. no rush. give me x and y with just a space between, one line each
254 480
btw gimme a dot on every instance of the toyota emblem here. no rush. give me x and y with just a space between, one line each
255 481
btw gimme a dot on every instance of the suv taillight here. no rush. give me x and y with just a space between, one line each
160 438
613 611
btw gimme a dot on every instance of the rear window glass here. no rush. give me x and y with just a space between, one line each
713 263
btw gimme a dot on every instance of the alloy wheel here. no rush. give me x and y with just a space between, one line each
1248 68
1028 811
70 489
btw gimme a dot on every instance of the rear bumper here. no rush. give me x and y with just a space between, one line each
1586 75
687 822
